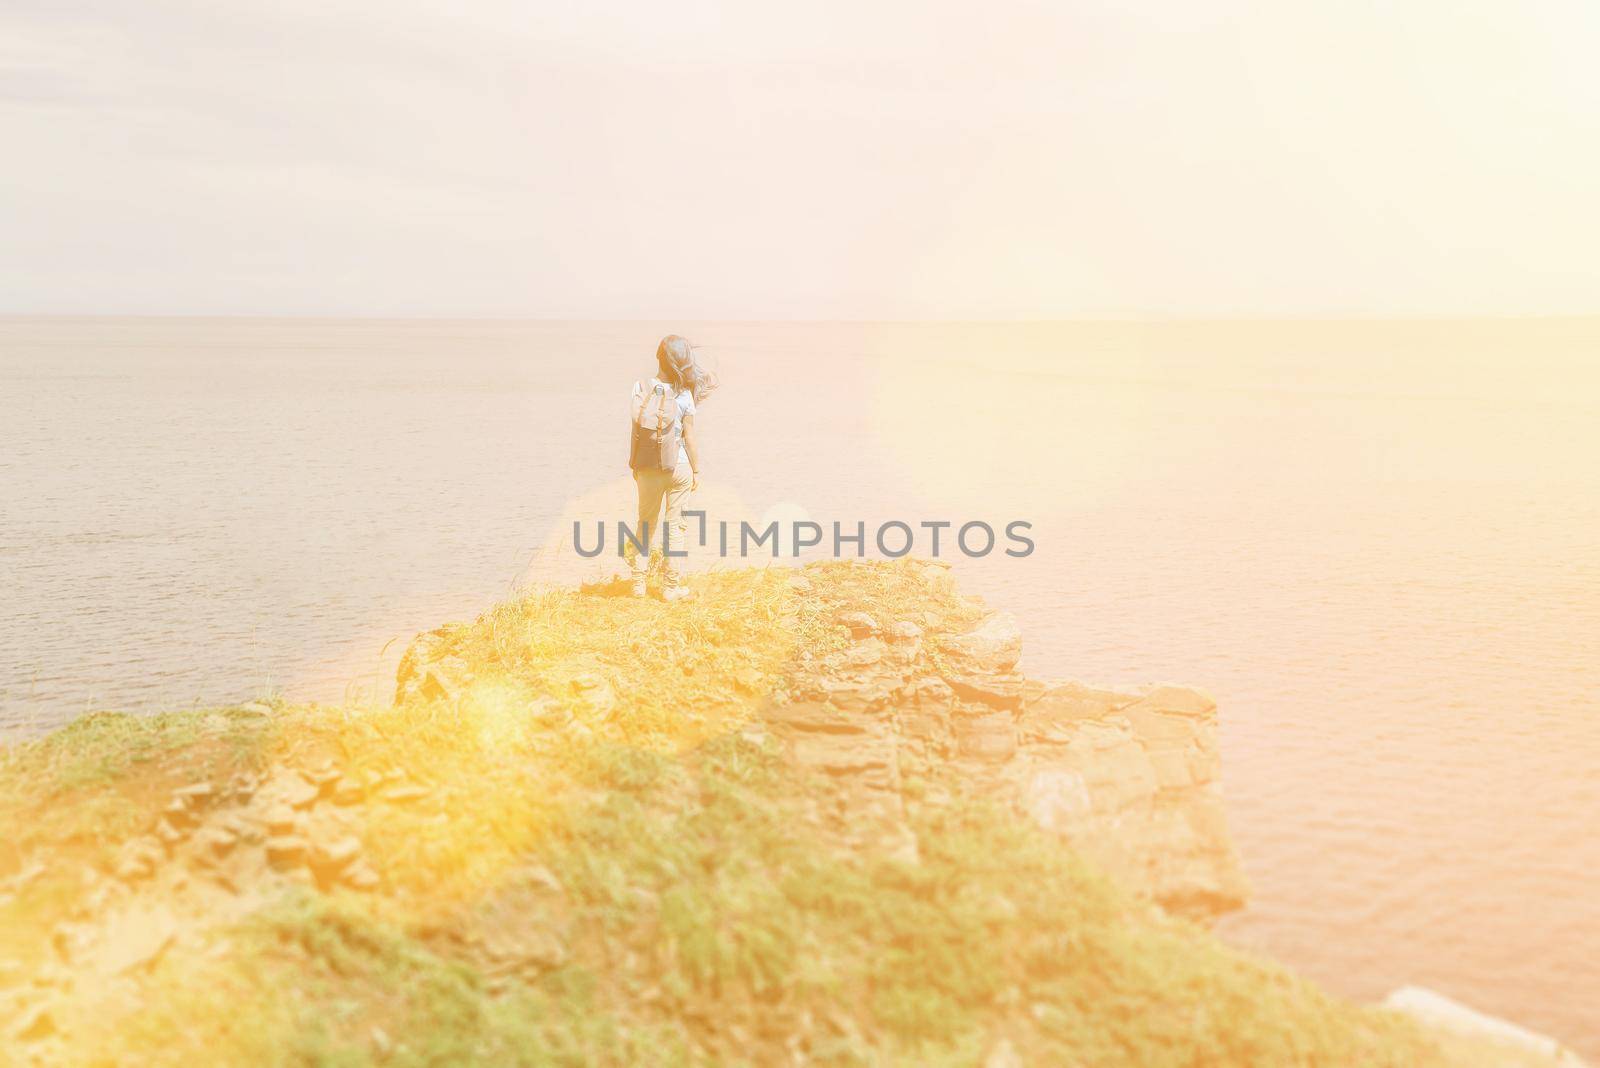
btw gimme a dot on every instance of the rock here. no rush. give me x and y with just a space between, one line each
925 735
979 664
301 794
1001 691
990 737
285 851
1124 777
861 693
36 1024
430 670
1171 767
860 624
992 647
866 653
539 949
903 848
289 787
199 791
138 940
1115 767
923 710
1003 1055
1160 728
256 708
1055 714
323 775
816 716
178 814
361 876
446 679
424 648
521 927
1056 799
749 681
280 819
334 855
1177 701
1204 758
217 841
348 792
138 860
843 754
406 794
930 693
1521 1046
903 632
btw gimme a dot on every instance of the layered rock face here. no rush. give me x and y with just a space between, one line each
1131 780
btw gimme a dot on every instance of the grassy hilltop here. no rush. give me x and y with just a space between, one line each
577 848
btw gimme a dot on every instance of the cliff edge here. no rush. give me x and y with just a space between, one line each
912 696
913 711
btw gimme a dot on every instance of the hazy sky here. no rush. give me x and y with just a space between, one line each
800 160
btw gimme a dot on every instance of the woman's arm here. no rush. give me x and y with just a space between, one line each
692 446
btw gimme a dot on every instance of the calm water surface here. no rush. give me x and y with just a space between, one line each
1377 545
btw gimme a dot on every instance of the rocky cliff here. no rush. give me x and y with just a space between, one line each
917 698
1129 779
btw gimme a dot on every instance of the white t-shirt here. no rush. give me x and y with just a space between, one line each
685 408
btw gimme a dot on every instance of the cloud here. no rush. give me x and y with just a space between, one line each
815 161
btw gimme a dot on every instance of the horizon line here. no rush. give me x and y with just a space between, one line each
1137 319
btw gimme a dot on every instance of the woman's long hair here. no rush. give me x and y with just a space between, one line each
676 366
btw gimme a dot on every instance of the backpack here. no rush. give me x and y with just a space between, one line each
655 429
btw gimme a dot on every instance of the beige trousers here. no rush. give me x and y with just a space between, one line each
662 495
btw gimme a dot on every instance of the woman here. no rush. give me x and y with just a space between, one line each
666 480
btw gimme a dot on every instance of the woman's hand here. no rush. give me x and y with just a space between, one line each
694 481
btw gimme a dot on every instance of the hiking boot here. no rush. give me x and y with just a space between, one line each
639 589
676 593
